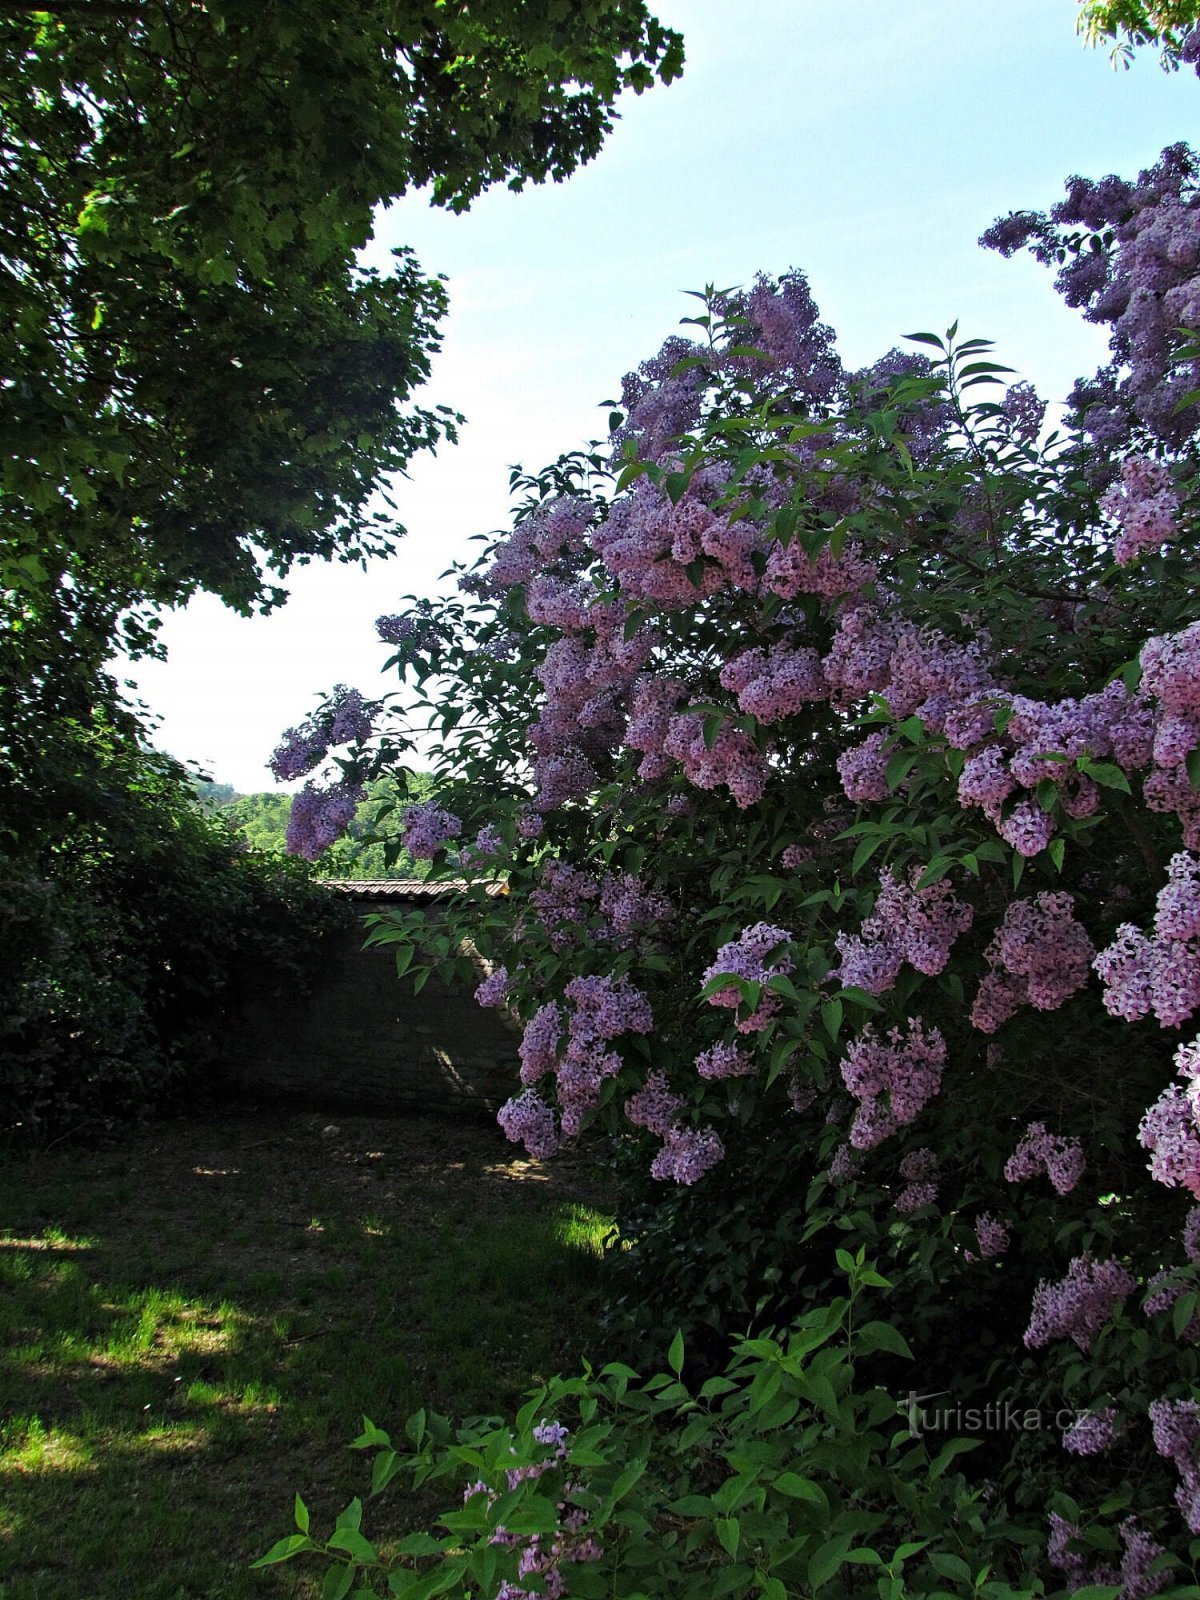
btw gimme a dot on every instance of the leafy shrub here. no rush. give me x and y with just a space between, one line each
831 733
129 941
790 1473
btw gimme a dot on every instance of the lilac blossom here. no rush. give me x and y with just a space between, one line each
1176 1429
1060 1158
428 827
893 1078
1079 1305
774 683
1191 1235
528 1120
539 1043
919 1169
1144 505
755 957
1091 1433
687 1154
992 1235
655 1106
725 1061
1023 411
320 816
907 924
493 991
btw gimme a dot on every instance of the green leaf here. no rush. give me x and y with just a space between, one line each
353 1543
827 1558
1182 1312
301 1514
1193 768
831 1017
729 1532
948 1565
1105 773
337 1582
798 1488
351 1517
284 1550
882 1336
675 1353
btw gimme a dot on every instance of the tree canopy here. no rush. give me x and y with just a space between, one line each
203 387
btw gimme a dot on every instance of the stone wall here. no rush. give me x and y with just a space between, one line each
361 1038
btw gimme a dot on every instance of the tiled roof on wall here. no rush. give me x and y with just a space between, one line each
403 888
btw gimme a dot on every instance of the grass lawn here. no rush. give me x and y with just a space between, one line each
192 1324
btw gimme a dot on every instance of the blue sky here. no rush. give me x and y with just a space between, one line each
869 153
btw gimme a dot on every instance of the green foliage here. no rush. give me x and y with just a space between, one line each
790 1473
131 936
1134 23
364 850
204 388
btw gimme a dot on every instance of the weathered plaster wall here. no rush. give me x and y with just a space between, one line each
360 1037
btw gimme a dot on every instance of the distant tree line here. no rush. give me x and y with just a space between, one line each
371 847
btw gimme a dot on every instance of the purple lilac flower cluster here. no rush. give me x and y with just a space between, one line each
428 827
1039 956
1176 1426
992 1235
659 402
893 1078
487 846
493 991
1132 1577
756 957
1171 673
1191 1235
1170 1130
528 1120
320 816
1144 505
730 759
343 719
1142 279
907 923
631 909
686 1154
919 1169
845 1166
563 902
725 1061
413 632
556 530
785 325
1061 1159
1024 411
1079 1306
1158 972
774 683
1092 1433
601 1009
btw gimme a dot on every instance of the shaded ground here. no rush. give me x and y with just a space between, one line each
192 1325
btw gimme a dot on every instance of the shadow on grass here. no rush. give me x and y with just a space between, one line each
191 1329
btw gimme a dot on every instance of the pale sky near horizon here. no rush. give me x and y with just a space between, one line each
870 157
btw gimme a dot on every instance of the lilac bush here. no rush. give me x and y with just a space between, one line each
836 738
